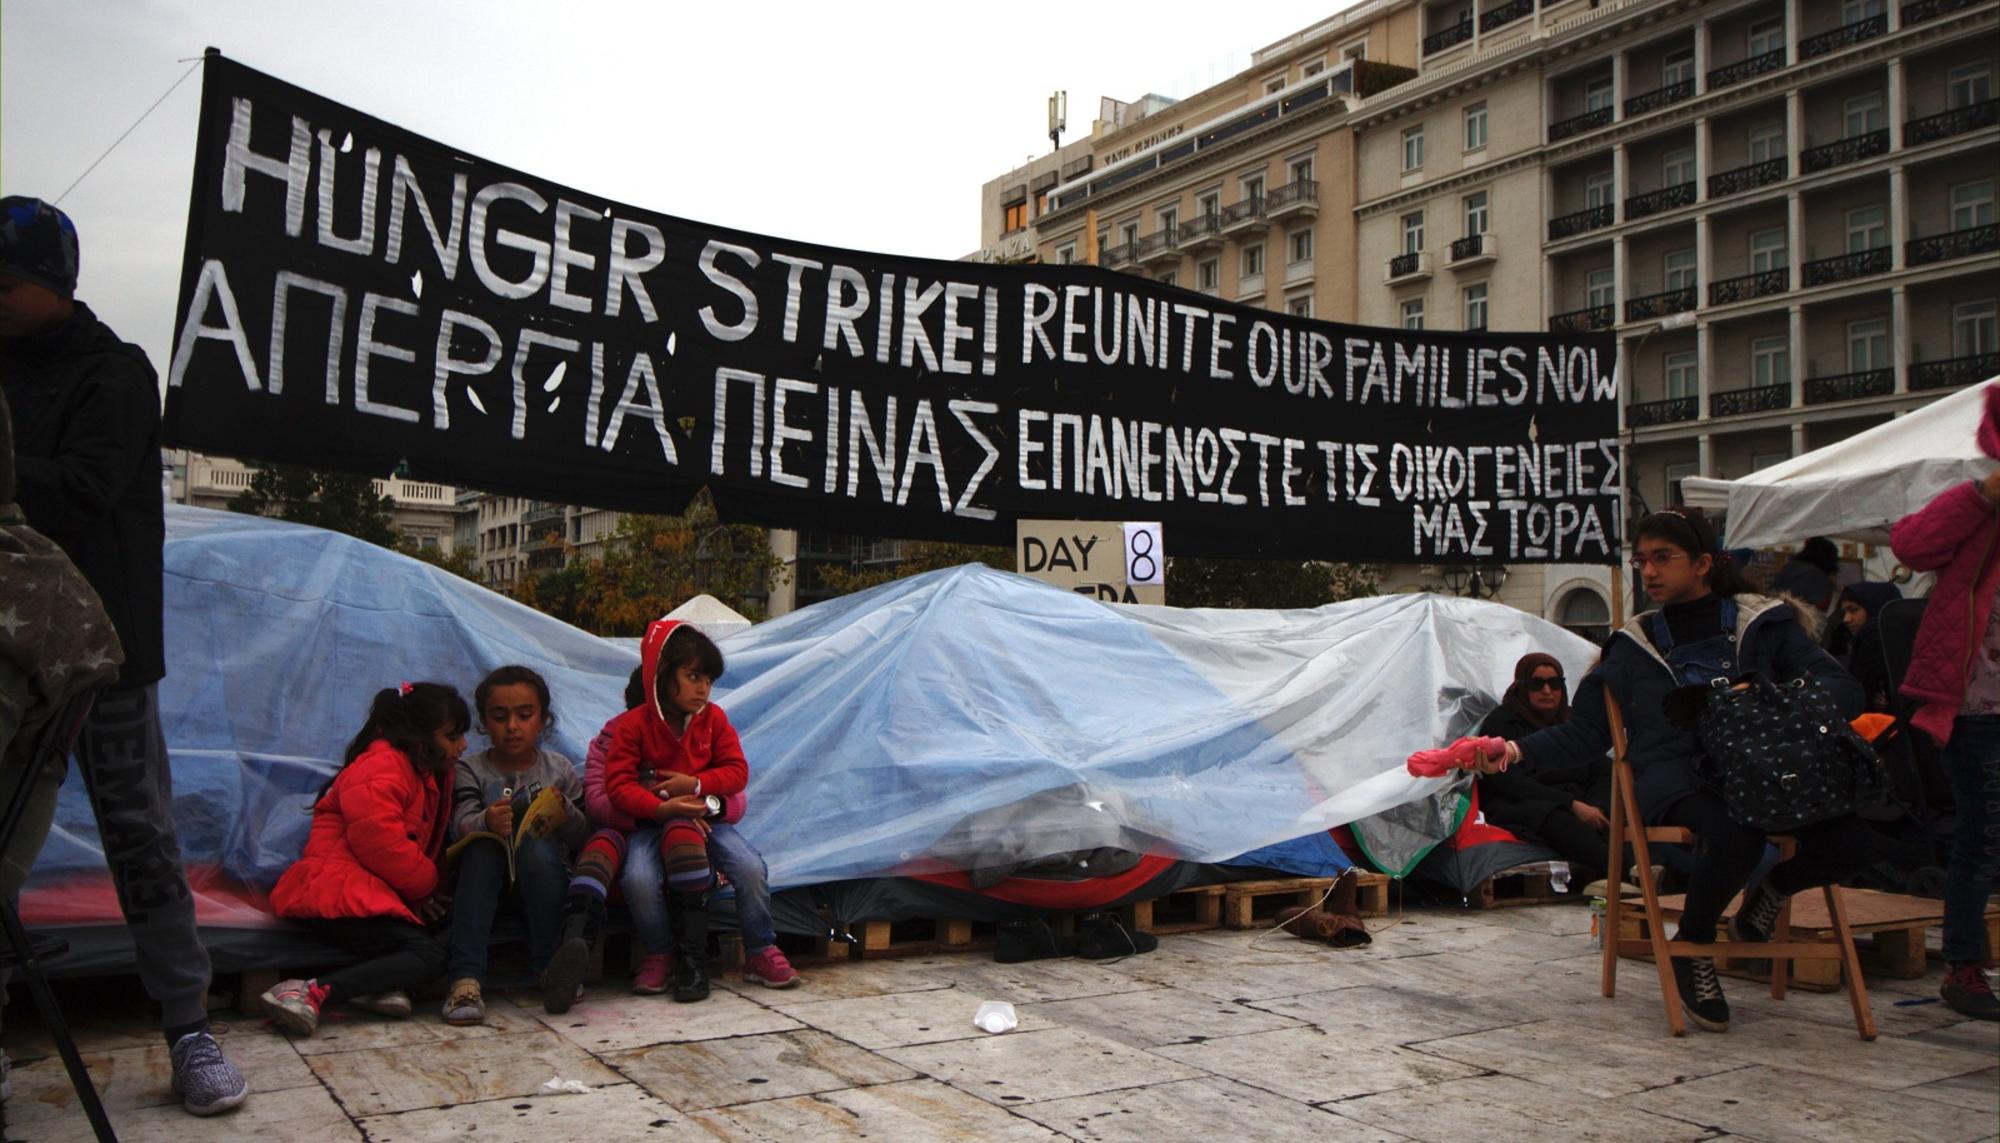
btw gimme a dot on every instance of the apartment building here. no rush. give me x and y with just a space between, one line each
424 512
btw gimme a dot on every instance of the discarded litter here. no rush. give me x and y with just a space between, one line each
995 1016
560 1086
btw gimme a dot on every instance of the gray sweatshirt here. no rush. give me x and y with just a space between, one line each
476 784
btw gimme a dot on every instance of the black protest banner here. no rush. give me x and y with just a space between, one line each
354 296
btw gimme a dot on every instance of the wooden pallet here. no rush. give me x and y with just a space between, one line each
1192 910
921 935
1253 904
1523 885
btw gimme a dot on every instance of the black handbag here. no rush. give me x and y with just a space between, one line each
1784 755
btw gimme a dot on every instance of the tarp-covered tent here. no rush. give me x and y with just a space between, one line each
713 616
1856 488
962 719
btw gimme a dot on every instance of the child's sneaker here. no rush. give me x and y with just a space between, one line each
768 967
206 1081
294 1005
395 1005
1967 992
654 969
465 1006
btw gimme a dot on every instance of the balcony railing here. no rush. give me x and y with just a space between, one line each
1157 245
1932 9
1955 244
1653 202
1668 412
1957 121
1239 215
1120 254
1660 305
1505 14
1755 399
1201 230
1449 37
1850 386
1953 371
1578 124
1585 320
1741 70
1581 222
1841 152
1660 97
1414 264
1471 248
1736 180
1758 285
1845 36
1846 267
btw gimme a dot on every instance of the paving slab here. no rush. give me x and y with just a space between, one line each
877 1022
750 1069
618 1112
1504 1107
1160 1016
916 1111
449 1072
1780 1105
1314 1065
1021 1067
616 1022
1195 1109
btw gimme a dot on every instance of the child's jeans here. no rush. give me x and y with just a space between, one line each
732 853
1972 761
540 876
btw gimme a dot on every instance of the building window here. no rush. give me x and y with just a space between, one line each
1762 460
1129 233
1679 370
1677 67
1771 361
1475 127
1598 190
1103 240
1169 279
1678 269
1253 188
1863 114
1302 170
1867 229
1968 84
1312 69
1170 219
1974 329
1300 246
1066 254
1867 345
1767 250
1209 205
1015 218
1358 50
1413 314
1677 167
1475 306
1413 232
1413 148
1301 306
1855 11
1274 85
1475 214
1972 204
1253 261
1767 36
1767 142
1600 288
1208 275
1597 95
1675 473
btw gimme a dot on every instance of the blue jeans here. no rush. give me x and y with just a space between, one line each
645 889
540 876
1972 762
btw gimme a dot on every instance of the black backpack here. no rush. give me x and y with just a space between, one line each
1784 754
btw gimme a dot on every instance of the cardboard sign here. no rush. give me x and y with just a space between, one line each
1114 562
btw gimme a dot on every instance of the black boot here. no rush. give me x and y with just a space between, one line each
688 914
562 981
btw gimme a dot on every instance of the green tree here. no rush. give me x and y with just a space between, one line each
1204 582
458 561
653 564
918 557
328 500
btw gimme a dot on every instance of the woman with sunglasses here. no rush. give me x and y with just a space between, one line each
1555 802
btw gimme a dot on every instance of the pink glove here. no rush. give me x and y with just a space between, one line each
1465 754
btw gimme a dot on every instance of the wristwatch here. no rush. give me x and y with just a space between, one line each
714 805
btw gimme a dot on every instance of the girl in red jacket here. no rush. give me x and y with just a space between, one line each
368 880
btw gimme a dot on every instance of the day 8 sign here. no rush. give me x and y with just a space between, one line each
1116 562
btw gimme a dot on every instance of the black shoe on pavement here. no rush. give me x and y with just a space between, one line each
1701 993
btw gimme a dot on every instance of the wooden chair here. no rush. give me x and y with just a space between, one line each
1627 824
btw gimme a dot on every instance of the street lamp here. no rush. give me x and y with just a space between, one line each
1476 581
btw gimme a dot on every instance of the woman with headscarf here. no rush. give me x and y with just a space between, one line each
1558 803
1857 639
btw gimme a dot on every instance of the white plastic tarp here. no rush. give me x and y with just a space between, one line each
716 618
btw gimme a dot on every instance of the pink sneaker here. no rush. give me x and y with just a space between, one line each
654 969
768 967
294 1005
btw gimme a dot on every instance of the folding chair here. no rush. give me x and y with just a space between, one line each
51 748
1628 824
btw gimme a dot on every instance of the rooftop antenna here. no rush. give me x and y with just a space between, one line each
1058 118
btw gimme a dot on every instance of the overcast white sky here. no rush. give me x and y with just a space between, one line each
867 125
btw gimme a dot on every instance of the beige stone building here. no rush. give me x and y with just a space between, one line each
424 512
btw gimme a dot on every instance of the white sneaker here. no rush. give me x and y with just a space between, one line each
395 1005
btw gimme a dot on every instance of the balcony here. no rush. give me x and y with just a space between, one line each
1850 386
1953 371
1846 267
1414 266
1957 121
1298 199
1241 216
1653 202
1202 232
1852 149
1586 320
1505 14
1931 9
1158 247
1956 244
1758 285
1729 74
1119 255
1448 38
1845 36
1755 399
1660 97
1578 124
1581 222
540 514
1736 180
1668 412
1660 305
1298 273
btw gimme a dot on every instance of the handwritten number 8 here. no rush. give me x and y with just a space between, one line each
1145 555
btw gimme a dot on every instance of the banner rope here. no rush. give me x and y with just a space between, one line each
128 131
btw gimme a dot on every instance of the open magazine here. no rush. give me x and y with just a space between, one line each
544 814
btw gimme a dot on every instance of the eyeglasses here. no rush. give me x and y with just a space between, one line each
1554 684
1638 563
